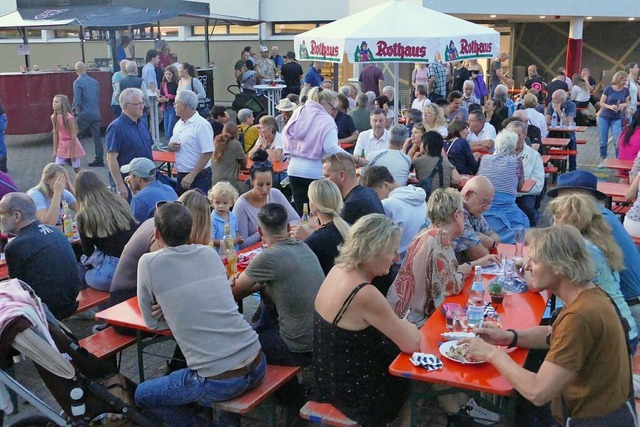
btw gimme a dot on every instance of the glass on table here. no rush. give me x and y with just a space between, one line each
450 317
460 322
493 319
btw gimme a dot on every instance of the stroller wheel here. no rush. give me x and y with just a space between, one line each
33 421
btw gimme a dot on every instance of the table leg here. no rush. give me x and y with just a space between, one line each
139 349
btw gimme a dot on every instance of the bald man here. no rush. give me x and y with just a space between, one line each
533 133
477 239
86 106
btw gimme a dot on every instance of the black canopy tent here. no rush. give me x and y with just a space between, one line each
111 15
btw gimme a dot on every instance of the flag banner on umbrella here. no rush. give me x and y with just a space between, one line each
313 50
467 48
387 50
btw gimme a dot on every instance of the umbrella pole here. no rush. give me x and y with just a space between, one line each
25 41
81 34
396 76
207 54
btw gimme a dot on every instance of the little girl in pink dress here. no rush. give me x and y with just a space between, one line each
66 145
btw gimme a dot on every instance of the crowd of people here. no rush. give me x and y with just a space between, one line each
396 225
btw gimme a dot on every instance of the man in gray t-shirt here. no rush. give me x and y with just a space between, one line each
291 275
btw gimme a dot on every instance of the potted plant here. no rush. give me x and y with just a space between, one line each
495 290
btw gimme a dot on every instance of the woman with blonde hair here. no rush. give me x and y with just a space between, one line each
200 209
53 189
356 333
105 224
582 212
325 201
613 103
309 136
434 119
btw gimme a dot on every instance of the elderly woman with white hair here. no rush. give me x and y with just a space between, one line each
505 171
248 132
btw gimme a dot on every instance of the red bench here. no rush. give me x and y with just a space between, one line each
275 378
89 298
581 141
326 414
106 343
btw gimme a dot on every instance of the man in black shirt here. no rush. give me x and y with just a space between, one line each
291 72
358 200
460 75
40 255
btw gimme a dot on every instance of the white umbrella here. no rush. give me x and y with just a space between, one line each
395 32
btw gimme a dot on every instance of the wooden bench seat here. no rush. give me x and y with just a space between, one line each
581 141
326 414
275 378
107 343
562 153
89 298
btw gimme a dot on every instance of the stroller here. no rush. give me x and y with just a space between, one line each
89 390
247 99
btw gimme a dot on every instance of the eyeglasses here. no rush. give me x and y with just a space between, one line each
164 202
137 104
484 202
258 165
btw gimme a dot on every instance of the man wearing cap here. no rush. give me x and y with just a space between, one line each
145 189
580 181
264 66
286 107
192 141
291 74
127 137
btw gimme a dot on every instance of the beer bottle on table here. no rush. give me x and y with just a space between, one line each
304 220
67 221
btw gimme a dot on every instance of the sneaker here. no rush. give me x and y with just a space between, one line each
601 164
99 327
480 415
97 163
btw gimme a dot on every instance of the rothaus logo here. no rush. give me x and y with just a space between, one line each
398 50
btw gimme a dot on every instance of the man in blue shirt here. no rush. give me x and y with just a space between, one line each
587 183
145 189
86 106
313 78
149 76
127 137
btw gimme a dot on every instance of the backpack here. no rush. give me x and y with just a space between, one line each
427 183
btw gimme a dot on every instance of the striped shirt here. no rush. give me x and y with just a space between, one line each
504 172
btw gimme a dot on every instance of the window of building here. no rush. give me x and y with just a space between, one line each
66 34
169 31
225 29
7 33
288 28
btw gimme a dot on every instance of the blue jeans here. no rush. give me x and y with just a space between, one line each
169 120
202 182
104 266
604 125
167 397
3 128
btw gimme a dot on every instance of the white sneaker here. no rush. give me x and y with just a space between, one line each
481 415
601 164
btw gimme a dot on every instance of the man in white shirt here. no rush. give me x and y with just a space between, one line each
375 138
192 141
481 132
533 169
398 163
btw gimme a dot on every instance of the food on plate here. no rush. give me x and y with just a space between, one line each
457 352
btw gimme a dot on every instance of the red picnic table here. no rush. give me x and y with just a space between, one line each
278 167
518 311
166 157
613 189
555 142
564 128
624 165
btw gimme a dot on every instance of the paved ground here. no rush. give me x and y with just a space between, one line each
26 161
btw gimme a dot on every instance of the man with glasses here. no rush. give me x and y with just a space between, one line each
40 255
127 138
481 132
192 141
477 239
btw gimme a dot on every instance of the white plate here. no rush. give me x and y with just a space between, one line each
445 347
